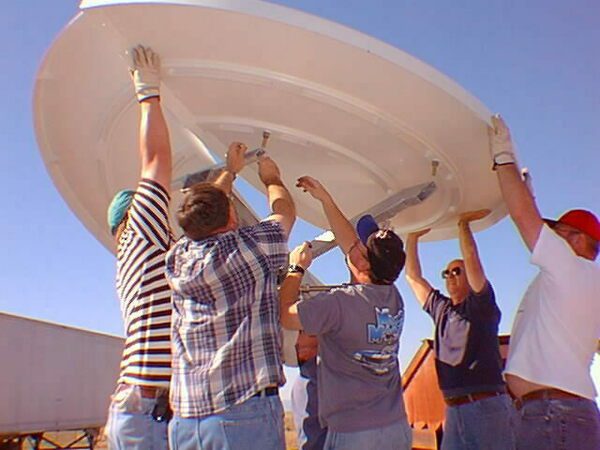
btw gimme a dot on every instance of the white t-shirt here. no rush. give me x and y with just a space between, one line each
556 328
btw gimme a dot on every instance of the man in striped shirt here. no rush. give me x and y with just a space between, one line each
226 332
139 221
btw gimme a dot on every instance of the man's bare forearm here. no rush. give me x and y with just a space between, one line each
288 295
468 248
280 200
520 203
419 285
155 146
282 205
517 195
344 232
225 181
413 263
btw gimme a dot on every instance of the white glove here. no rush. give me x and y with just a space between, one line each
501 146
145 73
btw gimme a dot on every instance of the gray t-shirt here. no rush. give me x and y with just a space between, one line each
358 327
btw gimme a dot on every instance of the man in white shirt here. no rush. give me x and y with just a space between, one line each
557 325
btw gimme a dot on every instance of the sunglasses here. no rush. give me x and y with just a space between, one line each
456 271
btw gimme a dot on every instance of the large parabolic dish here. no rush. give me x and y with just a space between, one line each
365 118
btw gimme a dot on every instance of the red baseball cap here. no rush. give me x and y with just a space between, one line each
581 220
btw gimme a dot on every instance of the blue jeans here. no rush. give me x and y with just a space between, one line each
130 424
485 424
559 424
256 423
305 407
397 436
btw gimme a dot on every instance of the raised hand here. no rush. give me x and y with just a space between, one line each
313 187
501 145
235 157
268 171
145 72
302 255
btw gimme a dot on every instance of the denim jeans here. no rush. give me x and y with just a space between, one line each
305 407
559 424
130 424
397 436
485 424
256 424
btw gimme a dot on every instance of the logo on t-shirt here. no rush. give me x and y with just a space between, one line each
386 331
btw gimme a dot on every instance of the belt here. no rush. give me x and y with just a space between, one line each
267 392
151 392
147 391
470 398
544 394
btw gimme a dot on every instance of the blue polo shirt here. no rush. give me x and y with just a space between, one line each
467 353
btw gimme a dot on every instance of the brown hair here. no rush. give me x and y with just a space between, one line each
204 209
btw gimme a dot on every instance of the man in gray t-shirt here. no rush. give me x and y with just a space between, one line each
358 327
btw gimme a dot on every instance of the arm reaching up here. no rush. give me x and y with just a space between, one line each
300 260
473 268
419 285
518 197
281 203
344 232
155 147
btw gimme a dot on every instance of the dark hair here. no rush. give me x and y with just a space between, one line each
204 209
386 255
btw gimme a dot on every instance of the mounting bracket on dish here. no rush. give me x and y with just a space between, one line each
211 172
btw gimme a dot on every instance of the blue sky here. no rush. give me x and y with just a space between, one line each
536 62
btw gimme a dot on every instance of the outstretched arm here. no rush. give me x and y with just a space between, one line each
475 274
419 285
301 256
344 232
519 199
155 147
281 203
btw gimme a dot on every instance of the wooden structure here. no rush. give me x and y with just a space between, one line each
422 396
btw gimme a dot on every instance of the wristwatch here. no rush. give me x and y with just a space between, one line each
295 268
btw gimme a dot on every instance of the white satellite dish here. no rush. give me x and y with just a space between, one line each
365 118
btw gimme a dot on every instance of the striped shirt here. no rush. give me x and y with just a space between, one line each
226 333
143 289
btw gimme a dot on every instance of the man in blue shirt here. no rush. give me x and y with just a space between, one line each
479 412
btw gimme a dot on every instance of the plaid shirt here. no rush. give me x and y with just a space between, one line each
226 335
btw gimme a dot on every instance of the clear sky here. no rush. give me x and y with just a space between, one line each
537 62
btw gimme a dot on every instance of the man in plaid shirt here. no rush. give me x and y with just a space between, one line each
225 324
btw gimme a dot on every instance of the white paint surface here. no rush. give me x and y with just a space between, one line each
365 118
